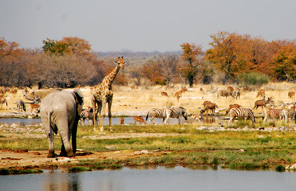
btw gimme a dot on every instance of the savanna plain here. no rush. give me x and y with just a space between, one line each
205 143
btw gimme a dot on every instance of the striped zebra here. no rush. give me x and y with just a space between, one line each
241 113
155 113
174 112
275 114
291 114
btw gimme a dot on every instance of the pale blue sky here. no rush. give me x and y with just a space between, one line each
143 25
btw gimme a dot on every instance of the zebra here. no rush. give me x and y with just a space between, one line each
291 114
241 113
275 113
175 112
155 113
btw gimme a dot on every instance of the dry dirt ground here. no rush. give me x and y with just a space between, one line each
21 158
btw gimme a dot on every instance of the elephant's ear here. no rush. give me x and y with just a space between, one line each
78 96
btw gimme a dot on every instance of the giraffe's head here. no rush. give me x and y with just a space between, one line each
120 62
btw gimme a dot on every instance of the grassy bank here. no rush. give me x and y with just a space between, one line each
183 145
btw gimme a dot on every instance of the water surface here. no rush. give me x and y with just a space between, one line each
159 179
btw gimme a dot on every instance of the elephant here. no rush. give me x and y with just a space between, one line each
60 111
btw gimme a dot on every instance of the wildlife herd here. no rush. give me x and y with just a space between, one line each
61 110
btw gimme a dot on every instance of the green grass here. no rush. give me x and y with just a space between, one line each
183 145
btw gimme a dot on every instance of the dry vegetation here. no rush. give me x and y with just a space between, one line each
128 101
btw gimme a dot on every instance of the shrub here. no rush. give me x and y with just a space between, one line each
254 79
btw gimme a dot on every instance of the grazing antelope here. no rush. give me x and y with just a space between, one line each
261 93
134 87
87 114
230 88
175 112
262 103
155 113
139 119
164 94
225 93
209 106
241 113
196 117
291 94
275 114
20 104
3 101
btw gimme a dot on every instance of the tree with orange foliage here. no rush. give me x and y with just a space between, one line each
153 71
9 48
224 53
190 61
284 61
68 45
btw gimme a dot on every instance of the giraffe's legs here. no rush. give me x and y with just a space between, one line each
102 115
94 104
109 111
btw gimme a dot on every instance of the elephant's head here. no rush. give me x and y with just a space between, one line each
79 99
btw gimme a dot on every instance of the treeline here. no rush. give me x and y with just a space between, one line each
231 58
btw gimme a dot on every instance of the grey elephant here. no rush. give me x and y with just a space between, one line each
60 111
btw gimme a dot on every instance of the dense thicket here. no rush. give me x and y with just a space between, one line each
231 58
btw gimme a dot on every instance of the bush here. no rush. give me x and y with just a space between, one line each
254 79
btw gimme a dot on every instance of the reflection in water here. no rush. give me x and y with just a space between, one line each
61 181
208 119
172 179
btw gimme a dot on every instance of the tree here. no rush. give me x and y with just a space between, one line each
223 53
169 67
68 45
190 61
284 62
153 71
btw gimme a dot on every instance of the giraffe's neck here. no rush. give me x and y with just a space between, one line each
107 81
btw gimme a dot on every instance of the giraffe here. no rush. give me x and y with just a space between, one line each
103 94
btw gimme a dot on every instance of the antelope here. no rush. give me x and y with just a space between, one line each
236 93
21 105
261 93
87 114
164 94
209 106
232 106
121 121
35 104
224 93
291 94
230 88
262 103
139 119
179 93
3 101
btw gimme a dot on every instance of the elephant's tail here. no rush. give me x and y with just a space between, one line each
55 130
